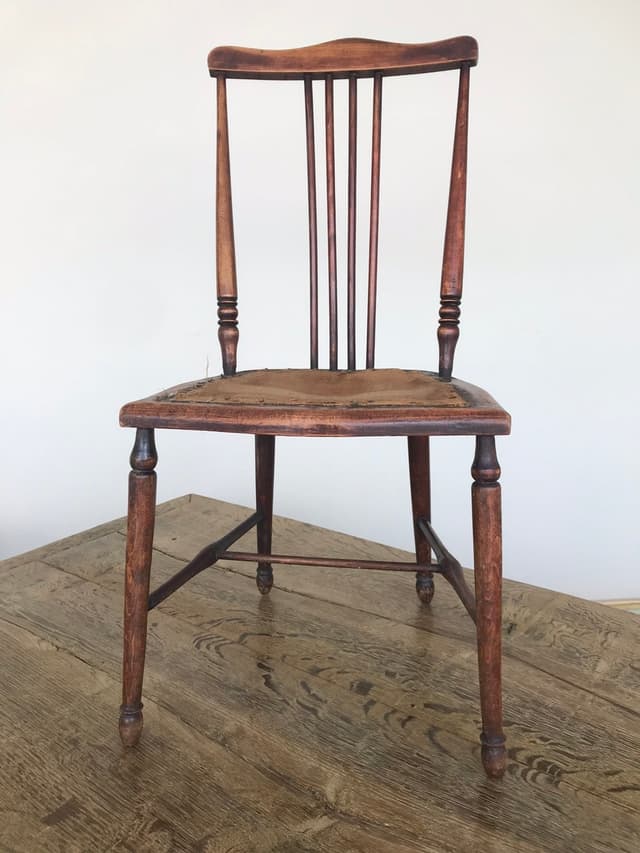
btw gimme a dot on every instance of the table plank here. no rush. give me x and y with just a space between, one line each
336 714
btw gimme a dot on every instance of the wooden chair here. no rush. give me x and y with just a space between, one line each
317 402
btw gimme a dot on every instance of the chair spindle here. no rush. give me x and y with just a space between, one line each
331 224
225 246
374 217
351 238
313 220
453 255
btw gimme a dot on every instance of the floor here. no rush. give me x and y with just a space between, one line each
333 715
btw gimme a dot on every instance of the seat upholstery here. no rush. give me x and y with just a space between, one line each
334 402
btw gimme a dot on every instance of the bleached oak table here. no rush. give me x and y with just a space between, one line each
335 715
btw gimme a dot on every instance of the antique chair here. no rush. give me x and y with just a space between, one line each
333 402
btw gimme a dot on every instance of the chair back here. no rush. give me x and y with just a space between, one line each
349 59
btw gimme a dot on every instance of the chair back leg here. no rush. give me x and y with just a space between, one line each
265 460
420 479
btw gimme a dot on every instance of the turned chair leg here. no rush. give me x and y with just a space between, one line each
419 477
140 522
487 555
265 457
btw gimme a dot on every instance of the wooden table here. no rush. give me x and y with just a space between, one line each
333 715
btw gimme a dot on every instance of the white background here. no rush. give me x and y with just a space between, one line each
106 264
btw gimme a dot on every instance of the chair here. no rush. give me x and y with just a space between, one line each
333 402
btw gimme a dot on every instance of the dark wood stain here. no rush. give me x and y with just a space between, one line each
343 58
307 402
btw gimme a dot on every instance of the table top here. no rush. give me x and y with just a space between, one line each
336 714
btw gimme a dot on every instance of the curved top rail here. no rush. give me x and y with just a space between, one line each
343 58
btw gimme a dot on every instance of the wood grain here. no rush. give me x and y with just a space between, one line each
313 222
420 485
322 717
374 219
342 58
487 561
351 223
138 556
332 262
265 448
453 253
226 279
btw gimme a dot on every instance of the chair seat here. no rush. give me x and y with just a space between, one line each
324 402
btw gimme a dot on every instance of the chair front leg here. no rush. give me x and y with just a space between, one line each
140 523
487 554
420 480
265 461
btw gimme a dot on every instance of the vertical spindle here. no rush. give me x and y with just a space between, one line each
331 225
313 221
351 237
373 219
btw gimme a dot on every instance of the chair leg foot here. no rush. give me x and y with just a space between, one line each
130 724
425 587
494 756
264 578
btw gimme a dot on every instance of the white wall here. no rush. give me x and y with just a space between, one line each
107 266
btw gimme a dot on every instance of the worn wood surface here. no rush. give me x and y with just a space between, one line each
226 276
388 401
139 556
343 57
337 714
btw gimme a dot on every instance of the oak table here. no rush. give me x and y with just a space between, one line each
338 714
